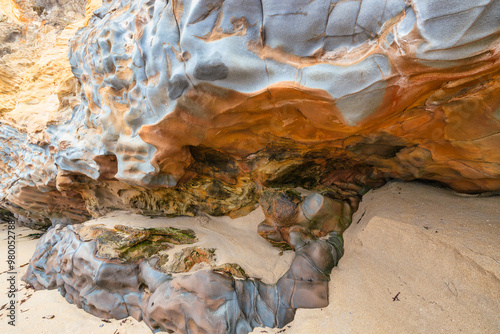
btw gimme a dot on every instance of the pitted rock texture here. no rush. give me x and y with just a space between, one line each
190 106
199 302
377 81
37 89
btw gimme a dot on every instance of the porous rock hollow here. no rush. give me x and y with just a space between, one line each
191 106
184 107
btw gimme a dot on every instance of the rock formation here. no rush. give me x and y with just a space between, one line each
123 271
228 99
37 89
170 107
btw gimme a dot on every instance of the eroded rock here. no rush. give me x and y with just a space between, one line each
192 107
435 250
229 99
110 283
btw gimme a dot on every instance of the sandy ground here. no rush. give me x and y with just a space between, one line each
418 260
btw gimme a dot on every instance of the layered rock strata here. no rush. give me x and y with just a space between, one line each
37 89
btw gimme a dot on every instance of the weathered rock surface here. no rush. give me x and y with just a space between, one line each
191 106
397 254
37 89
123 277
375 83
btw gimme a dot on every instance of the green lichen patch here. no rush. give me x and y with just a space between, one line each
6 215
201 194
130 243
33 236
187 258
